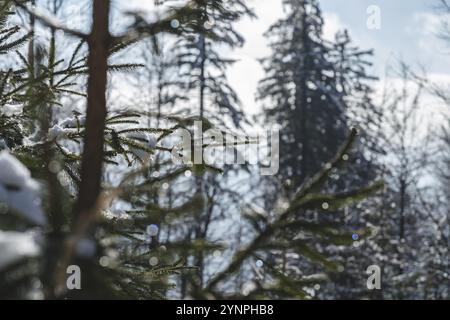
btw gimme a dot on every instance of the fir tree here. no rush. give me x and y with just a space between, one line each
207 30
312 89
307 87
53 158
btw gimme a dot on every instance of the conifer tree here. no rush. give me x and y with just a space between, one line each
312 90
307 88
120 266
208 29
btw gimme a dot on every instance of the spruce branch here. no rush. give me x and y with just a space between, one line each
263 239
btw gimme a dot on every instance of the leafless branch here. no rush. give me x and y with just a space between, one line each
49 20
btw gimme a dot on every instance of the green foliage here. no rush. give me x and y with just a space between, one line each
136 245
291 232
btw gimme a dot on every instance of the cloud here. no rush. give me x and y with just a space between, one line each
247 71
332 25
245 74
427 27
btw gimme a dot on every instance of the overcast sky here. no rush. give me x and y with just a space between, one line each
408 31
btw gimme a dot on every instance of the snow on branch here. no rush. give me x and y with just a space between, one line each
18 190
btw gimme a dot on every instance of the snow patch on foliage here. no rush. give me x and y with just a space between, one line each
11 110
15 246
18 190
73 122
56 132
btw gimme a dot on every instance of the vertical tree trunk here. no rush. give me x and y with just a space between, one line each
402 208
31 43
302 98
200 178
91 168
92 158
202 73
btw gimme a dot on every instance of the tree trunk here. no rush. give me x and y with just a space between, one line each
91 168
402 208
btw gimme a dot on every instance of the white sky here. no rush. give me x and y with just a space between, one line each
408 31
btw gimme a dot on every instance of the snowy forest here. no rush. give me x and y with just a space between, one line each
135 164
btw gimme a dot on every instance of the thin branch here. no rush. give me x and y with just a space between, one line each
265 235
50 21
